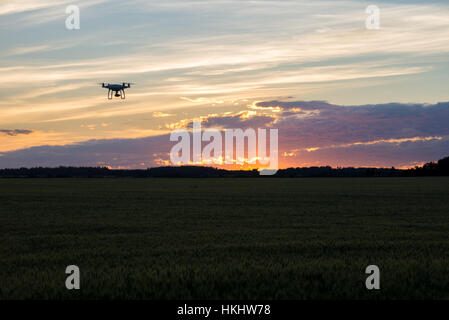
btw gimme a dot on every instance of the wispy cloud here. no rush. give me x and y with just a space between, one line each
159 114
18 6
25 50
15 132
37 12
369 143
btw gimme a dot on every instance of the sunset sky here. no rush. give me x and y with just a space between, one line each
338 93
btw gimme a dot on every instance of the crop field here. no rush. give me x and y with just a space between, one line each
224 238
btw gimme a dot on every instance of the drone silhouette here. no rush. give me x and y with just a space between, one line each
119 89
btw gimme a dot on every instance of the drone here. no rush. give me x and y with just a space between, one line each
119 89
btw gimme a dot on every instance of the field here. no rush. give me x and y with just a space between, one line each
224 238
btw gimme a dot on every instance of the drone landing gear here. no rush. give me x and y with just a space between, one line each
116 93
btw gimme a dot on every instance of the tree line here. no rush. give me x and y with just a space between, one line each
439 168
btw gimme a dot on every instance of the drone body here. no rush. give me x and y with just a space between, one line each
119 89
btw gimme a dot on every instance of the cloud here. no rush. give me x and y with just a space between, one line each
159 114
15 132
25 50
381 141
123 153
329 124
310 133
34 12
400 155
18 6
320 132
277 51
243 119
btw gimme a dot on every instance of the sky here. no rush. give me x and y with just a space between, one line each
339 93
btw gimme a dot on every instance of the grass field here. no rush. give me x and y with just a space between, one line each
224 238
